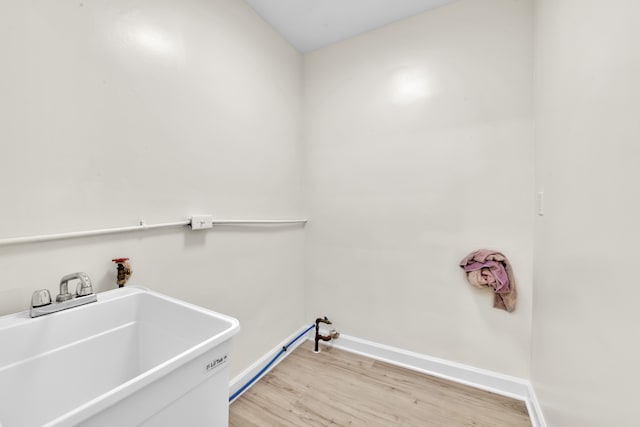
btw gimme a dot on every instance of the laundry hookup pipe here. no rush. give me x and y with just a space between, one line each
268 365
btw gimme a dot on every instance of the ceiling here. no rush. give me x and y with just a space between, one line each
311 24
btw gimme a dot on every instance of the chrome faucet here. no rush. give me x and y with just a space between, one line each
41 300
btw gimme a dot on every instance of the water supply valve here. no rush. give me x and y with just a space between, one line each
124 271
333 334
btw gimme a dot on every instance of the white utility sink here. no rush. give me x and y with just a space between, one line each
134 358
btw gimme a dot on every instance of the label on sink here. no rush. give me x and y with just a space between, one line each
216 363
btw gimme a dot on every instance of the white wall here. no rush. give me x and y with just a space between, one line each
585 318
419 149
116 111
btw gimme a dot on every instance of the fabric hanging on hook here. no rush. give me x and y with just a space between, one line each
491 269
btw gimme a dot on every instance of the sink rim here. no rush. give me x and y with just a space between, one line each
131 386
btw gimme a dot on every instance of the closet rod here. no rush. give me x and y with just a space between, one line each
142 226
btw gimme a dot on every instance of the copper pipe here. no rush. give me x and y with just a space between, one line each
318 335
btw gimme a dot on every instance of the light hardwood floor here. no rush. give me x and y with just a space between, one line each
336 387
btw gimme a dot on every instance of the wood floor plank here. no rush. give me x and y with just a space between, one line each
338 388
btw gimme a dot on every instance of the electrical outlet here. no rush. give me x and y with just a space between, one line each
201 222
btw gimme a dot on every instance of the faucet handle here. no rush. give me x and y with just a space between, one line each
40 298
84 288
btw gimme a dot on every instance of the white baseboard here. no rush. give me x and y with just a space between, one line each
240 380
504 385
534 408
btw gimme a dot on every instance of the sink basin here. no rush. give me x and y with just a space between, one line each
134 358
